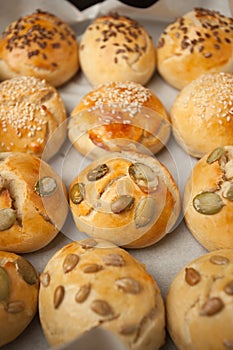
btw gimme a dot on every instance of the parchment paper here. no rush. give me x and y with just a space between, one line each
164 259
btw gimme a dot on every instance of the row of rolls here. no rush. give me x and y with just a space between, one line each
125 197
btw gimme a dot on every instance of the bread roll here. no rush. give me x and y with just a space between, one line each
202 114
128 198
116 116
91 283
199 303
199 42
33 117
19 287
33 203
39 45
208 199
117 48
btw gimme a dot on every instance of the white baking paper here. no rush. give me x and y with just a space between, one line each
164 259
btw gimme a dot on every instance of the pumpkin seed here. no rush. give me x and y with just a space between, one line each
228 289
219 260
77 193
97 173
192 276
45 186
128 285
144 212
7 218
83 293
215 155
70 262
27 271
92 268
15 307
45 279
113 260
4 284
208 203
211 307
143 176
229 194
101 307
122 203
58 296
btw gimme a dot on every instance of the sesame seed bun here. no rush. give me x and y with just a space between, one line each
117 48
32 116
39 45
119 115
202 114
199 42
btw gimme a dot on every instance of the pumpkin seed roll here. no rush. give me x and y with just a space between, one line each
199 303
19 287
128 198
199 42
92 283
208 199
33 202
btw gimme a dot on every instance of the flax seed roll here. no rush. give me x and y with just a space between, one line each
92 283
117 48
202 114
199 303
119 115
19 287
40 45
32 117
208 199
199 42
33 203
128 198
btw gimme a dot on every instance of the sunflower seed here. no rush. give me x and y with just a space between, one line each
7 218
215 155
88 243
219 260
101 307
45 186
45 279
92 268
122 203
77 193
97 173
228 289
128 285
83 293
208 203
4 284
144 212
58 296
211 307
27 271
70 262
113 260
128 329
192 276
15 307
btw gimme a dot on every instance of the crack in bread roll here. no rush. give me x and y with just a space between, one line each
199 42
202 113
199 303
100 288
128 198
33 203
39 45
116 116
19 288
208 199
32 117
117 48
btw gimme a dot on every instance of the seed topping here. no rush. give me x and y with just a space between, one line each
45 186
144 212
122 204
27 271
207 203
70 262
101 307
128 285
58 297
77 193
4 284
45 279
192 276
83 293
211 307
219 260
113 260
98 172
7 218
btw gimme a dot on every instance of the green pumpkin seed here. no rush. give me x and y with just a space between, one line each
77 193
97 173
143 176
4 284
122 203
145 211
7 218
208 203
215 155
27 271
45 186
229 194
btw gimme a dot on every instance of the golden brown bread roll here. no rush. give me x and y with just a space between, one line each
33 117
33 203
208 199
19 287
202 114
199 42
128 198
39 45
116 116
117 48
199 303
92 283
